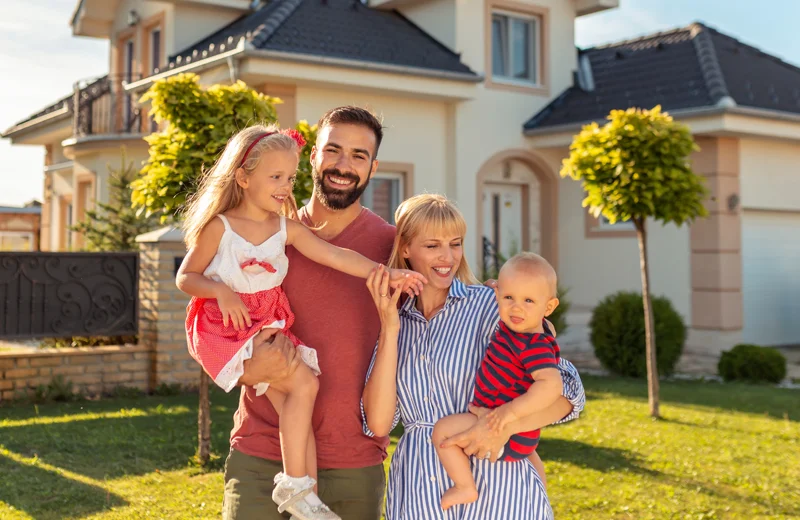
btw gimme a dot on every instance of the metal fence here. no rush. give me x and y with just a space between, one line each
68 294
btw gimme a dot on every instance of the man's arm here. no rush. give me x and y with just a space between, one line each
274 358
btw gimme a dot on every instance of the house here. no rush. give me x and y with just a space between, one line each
481 99
19 227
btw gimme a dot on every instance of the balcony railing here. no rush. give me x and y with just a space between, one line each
101 106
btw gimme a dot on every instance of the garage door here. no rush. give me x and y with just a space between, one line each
771 277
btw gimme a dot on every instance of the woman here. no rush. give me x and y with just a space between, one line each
424 369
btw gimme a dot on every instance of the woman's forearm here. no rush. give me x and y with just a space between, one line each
535 421
380 392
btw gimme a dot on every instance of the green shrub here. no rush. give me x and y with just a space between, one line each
94 341
58 389
559 316
752 363
617 334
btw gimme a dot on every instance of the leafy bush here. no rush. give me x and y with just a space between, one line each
59 389
94 341
752 363
559 316
617 334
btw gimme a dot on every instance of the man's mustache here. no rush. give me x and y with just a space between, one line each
338 173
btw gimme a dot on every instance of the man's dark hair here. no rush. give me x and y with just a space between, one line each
351 115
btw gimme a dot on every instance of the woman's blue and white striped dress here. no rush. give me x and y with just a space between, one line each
437 362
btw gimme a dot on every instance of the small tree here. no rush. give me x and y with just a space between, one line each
115 226
633 168
199 124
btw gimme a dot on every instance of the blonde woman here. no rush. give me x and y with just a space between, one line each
424 369
237 233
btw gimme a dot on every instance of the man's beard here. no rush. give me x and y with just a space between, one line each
338 199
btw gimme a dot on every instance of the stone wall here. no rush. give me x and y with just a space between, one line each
90 370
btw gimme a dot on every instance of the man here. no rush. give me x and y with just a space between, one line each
334 315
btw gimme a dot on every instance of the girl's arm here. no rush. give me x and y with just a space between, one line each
190 277
345 260
380 393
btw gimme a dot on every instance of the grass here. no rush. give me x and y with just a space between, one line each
720 451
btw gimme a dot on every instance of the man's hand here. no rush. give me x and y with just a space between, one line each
274 358
479 440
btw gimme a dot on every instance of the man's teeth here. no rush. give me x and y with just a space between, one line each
336 180
443 270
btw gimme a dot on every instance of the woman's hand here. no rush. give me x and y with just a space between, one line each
233 308
407 281
479 440
386 303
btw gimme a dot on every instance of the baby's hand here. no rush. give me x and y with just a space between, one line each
499 418
233 309
407 281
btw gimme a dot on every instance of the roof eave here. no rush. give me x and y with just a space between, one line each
686 113
467 77
25 126
242 51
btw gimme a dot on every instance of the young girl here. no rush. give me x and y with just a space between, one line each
237 231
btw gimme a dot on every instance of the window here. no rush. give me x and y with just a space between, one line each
384 193
155 62
515 48
16 241
127 77
155 49
604 223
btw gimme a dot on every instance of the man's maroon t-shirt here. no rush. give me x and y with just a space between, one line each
334 314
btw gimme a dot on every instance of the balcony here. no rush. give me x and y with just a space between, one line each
101 107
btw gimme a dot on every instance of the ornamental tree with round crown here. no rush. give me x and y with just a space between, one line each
636 168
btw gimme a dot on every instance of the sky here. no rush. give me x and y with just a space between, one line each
40 60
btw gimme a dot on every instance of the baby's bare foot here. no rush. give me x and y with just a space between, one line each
456 495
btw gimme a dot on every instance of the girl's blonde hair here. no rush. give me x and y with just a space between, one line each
430 212
218 190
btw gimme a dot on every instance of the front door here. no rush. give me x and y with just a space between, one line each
502 217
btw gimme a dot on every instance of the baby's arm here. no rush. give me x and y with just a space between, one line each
190 277
540 361
344 260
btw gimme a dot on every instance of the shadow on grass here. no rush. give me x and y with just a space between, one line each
44 494
737 397
160 434
593 457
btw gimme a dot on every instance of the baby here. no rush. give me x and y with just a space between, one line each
522 351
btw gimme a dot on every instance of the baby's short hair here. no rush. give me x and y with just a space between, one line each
535 265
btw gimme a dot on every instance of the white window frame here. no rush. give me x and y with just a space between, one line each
536 49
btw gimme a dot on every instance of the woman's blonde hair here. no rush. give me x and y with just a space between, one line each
428 212
218 190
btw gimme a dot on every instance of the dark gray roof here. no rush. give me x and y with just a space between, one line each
692 67
344 29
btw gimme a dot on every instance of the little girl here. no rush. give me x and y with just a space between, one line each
237 231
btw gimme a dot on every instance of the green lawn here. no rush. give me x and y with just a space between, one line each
729 451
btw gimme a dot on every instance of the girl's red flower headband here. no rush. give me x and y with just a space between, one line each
291 132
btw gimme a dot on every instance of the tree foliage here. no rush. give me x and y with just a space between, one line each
637 166
199 122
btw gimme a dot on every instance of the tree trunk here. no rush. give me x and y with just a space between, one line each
203 422
649 322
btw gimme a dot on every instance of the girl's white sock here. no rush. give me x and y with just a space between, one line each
313 500
299 482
